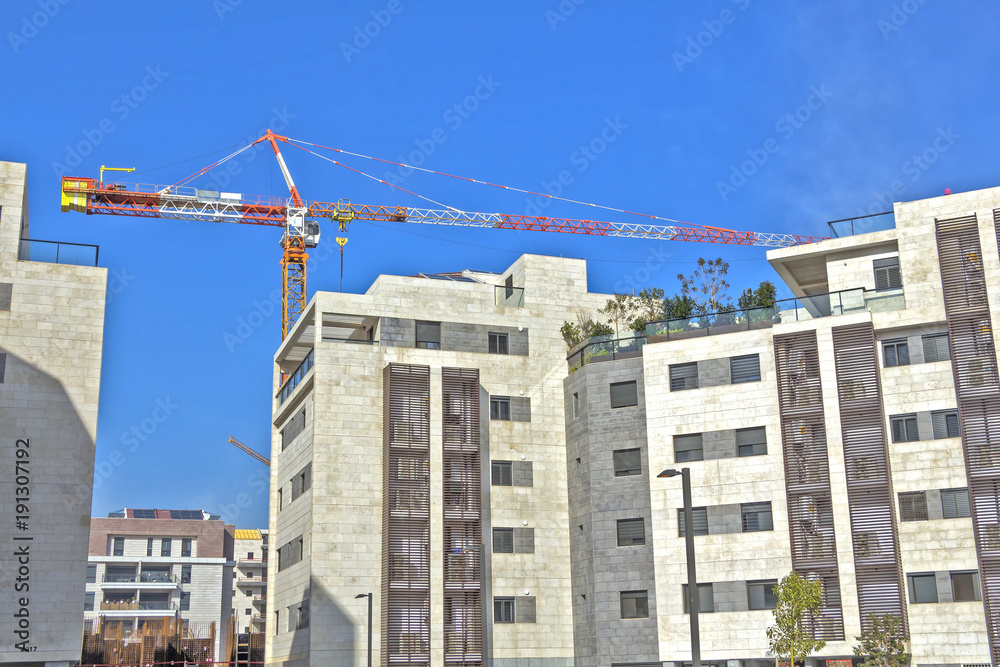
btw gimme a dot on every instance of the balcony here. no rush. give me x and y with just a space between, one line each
260 599
57 252
296 377
605 348
252 581
257 562
142 608
865 224
509 296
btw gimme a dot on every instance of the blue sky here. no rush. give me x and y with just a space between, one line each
731 113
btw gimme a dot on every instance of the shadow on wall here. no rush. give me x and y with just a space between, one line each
47 487
331 638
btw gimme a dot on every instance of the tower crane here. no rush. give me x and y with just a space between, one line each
257 455
300 219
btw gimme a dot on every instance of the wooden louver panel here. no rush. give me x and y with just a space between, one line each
462 518
869 482
807 475
974 365
406 516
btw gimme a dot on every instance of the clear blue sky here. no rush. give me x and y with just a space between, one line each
835 103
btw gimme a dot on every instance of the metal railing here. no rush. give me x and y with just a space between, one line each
296 377
141 605
158 578
251 580
253 561
863 224
509 296
57 252
605 348
120 578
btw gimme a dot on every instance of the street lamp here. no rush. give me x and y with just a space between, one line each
693 607
369 596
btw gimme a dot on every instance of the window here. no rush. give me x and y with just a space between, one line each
756 517
631 533
277 622
624 395
3 365
503 540
280 499
249 555
945 423
429 335
683 376
292 428
88 602
500 408
498 343
760 594
302 620
185 574
955 503
91 574
247 611
186 547
706 598
887 274
634 604
936 347
165 546
751 441
185 601
502 473
895 353
699 517
913 506
503 610
627 462
149 546
576 404
965 587
904 428
744 369
118 546
922 588
688 448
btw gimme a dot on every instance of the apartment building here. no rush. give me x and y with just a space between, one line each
147 565
52 298
250 580
435 444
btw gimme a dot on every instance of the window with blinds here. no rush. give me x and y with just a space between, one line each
502 473
624 394
936 347
895 353
751 441
913 506
627 462
744 369
503 610
688 448
429 335
631 533
756 517
955 503
683 376
945 423
706 598
699 517
503 540
904 428
887 275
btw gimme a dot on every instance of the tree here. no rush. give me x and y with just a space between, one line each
707 286
788 637
575 333
571 334
678 307
649 306
883 643
620 309
763 297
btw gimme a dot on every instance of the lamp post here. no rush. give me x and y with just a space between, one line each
693 607
369 596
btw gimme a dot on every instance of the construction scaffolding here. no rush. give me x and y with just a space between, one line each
156 641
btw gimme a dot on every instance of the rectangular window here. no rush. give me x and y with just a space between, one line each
688 448
634 604
756 517
936 347
498 343
913 506
165 546
922 588
185 601
699 517
751 441
277 622
280 499
631 533
503 610
429 335
88 602
683 376
503 540
502 473
945 423
624 394
292 428
186 547
576 404
706 598
627 462
965 587
185 574
904 428
887 274
955 503
149 546
760 594
3 365
744 369
895 353
303 615
118 546
500 408
91 574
